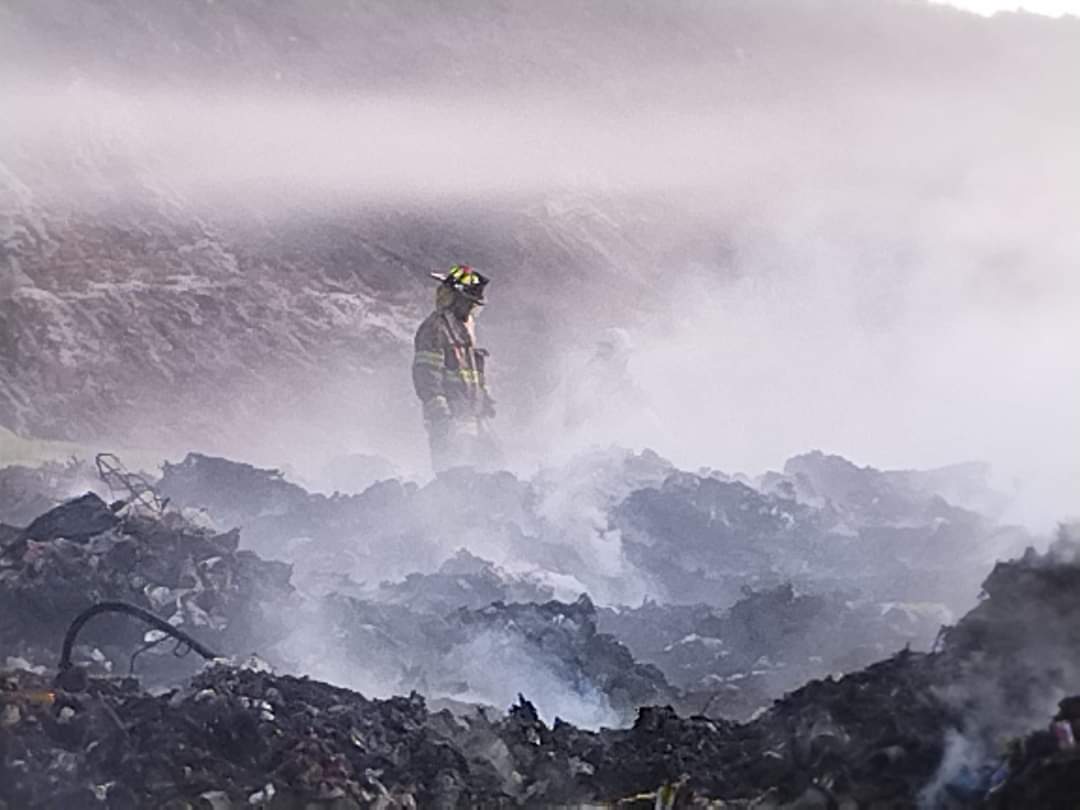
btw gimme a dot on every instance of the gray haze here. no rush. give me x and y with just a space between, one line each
845 225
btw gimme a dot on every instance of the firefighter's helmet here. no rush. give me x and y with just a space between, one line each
465 280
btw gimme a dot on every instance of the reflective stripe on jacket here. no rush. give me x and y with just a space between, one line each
448 369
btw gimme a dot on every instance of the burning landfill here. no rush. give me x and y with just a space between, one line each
512 291
696 641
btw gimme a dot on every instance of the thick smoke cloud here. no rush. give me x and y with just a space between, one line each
844 225
856 252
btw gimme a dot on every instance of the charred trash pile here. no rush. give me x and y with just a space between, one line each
1042 769
411 635
83 552
488 655
623 527
27 492
769 642
232 738
761 585
462 581
823 525
234 493
883 736
241 738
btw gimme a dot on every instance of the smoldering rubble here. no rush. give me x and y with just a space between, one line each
625 526
82 552
733 590
517 693
238 736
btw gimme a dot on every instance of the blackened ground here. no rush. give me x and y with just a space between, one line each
606 521
873 738
82 553
389 568
229 734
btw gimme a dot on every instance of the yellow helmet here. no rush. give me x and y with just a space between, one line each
465 280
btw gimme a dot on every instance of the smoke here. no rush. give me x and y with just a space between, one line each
870 262
489 668
960 770
844 226
865 245
499 667
895 286
917 361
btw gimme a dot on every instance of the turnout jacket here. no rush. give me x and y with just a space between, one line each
448 370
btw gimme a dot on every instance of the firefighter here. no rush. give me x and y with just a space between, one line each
448 374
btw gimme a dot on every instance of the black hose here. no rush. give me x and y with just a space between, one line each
153 620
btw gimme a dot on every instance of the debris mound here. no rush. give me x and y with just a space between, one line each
463 581
233 738
250 738
591 718
233 492
81 553
1043 768
624 527
873 738
565 637
27 492
474 655
730 663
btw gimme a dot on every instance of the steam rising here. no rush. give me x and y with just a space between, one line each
839 225
868 245
881 267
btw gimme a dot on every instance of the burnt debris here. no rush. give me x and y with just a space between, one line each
519 695
81 553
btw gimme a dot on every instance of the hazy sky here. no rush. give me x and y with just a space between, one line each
857 276
1053 7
